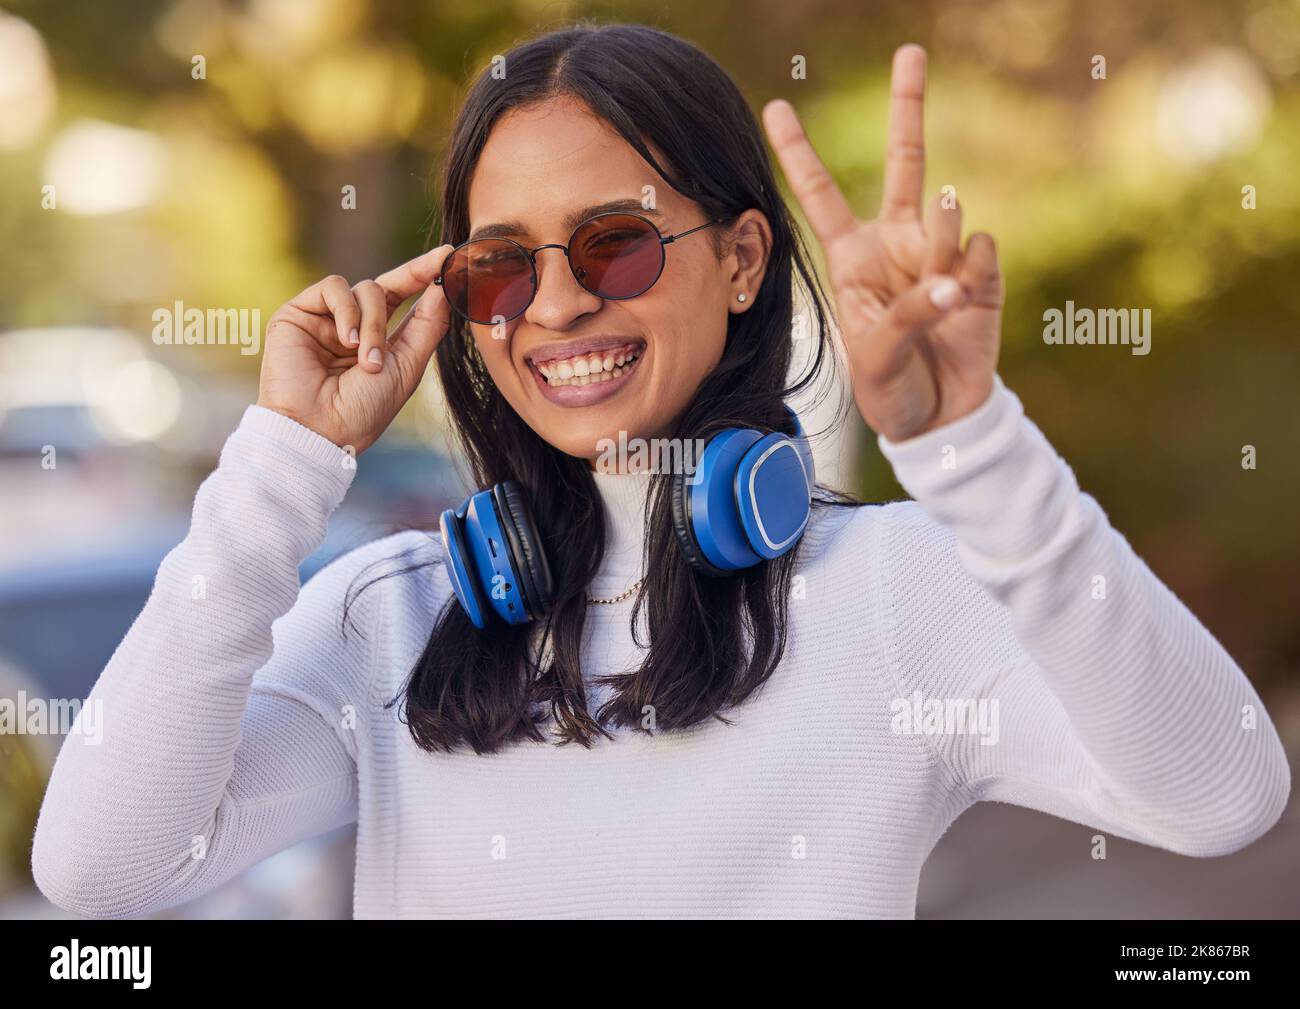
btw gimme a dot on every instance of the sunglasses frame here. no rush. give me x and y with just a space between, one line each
531 256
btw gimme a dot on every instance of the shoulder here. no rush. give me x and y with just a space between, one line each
380 566
397 550
325 645
936 614
872 532
344 604
896 553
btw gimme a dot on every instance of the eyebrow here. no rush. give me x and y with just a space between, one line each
509 229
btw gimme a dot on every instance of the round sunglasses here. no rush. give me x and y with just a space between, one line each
614 256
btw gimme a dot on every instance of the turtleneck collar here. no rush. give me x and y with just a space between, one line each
624 498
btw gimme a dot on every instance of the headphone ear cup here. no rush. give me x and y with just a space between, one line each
460 569
804 448
773 495
685 532
525 543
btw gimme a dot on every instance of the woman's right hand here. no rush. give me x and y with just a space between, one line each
328 364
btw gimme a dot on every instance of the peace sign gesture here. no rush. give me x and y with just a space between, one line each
921 317
330 363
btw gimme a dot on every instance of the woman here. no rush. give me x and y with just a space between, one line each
776 739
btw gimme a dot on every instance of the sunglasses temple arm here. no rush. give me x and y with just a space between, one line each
682 234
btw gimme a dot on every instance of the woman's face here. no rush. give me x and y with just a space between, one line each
544 169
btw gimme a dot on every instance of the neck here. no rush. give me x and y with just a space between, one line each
623 496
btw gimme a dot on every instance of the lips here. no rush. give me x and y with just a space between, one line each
586 371
583 369
558 350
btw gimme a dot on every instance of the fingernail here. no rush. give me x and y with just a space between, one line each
946 294
354 338
375 356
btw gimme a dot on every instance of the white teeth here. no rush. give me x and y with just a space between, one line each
585 370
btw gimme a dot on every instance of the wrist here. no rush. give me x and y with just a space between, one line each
304 441
338 440
966 426
993 478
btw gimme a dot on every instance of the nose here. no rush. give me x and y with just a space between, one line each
560 299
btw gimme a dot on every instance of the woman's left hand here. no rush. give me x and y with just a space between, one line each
920 317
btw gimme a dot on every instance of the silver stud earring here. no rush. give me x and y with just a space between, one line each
741 297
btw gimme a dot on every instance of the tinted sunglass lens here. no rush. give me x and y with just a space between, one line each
616 255
488 281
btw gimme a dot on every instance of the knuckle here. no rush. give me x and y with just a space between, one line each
818 184
906 150
403 369
275 325
428 310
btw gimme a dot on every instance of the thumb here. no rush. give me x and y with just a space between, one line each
417 336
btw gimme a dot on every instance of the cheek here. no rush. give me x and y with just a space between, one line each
494 348
691 319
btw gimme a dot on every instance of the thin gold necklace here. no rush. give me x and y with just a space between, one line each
618 598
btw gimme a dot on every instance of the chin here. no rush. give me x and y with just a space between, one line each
582 437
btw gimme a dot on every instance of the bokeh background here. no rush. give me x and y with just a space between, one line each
225 191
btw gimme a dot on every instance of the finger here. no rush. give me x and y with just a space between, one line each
321 328
374 324
412 277
418 334
942 236
905 148
827 210
333 297
918 309
979 272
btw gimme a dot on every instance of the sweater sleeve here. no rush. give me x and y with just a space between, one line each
200 769
1048 665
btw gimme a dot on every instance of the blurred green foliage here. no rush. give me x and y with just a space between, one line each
22 783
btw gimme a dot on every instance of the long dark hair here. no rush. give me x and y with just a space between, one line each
712 641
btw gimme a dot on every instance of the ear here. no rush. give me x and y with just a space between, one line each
749 241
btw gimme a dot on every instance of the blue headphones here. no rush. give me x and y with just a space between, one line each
748 501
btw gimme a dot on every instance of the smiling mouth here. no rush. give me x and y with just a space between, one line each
591 368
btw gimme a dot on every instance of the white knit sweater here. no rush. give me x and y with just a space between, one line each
237 719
